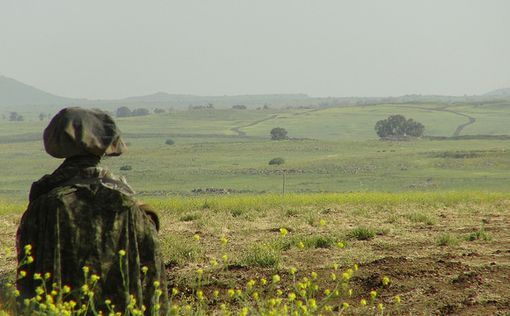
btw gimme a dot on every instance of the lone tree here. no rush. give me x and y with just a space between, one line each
123 111
278 133
396 126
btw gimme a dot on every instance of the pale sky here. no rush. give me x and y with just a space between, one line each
120 48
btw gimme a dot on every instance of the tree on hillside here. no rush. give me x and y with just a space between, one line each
239 107
278 133
398 126
123 111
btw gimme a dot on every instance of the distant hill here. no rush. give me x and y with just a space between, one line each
505 92
15 94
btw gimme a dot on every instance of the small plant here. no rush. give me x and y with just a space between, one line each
189 217
318 241
418 217
277 161
169 141
446 240
291 212
361 233
261 255
126 168
479 235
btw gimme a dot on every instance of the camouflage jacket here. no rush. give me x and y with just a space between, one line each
81 215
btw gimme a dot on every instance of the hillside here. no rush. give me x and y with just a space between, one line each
15 94
505 92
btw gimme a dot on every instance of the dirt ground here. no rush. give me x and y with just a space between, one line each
466 277
462 276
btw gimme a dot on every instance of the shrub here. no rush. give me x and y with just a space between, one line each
277 161
278 133
126 168
169 141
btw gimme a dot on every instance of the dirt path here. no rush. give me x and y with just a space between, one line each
243 134
458 130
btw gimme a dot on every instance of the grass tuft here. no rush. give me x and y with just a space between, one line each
361 233
261 255
446 240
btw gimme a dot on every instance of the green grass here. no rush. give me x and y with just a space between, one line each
341 152
361 233
446 239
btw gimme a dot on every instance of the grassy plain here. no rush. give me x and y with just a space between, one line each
332 150
431 215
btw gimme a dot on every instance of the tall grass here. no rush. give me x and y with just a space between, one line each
264 201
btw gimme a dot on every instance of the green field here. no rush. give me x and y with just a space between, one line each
431 214
331 150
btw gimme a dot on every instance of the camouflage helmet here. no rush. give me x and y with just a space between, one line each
75 131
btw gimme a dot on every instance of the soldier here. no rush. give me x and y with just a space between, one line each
82 215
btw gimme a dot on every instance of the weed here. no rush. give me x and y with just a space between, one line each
419 217
261 255
188 217
361 233
446 240
318 241
481 234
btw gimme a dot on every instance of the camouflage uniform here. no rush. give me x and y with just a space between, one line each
82 215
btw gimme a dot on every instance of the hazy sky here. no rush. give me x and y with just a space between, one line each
119 48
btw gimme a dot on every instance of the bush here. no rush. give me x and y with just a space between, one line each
169 141
126 168
278 133
277 161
